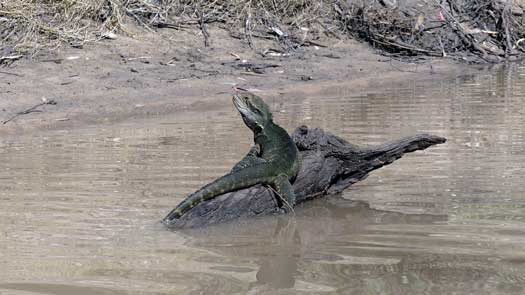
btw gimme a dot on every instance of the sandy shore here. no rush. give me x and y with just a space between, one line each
170 72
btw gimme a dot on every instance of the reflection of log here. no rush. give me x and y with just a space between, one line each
329 165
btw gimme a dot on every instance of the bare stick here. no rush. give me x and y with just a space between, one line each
204 30
30 110
456 25
11 74
505 16
9 59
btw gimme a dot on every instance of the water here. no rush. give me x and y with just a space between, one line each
79 209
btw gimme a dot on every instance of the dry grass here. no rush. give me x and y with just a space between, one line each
482 28
28 25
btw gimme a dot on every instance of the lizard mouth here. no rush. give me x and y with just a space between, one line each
239 101
240 104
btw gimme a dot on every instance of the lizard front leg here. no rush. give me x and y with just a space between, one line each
285 190
251 159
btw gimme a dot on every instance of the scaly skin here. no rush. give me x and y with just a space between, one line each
273 160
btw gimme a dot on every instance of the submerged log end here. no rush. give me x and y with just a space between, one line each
329 165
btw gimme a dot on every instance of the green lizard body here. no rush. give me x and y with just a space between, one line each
272 161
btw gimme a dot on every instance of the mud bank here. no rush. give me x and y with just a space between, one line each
188 59
165 73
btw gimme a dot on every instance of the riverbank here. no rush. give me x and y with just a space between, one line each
165 73
98 63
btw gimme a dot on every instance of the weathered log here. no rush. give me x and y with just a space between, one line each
329 165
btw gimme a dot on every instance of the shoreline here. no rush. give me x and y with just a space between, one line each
161 74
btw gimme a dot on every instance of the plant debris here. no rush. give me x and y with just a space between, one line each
473 30
469 30
33 109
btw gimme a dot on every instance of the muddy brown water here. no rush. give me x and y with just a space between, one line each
79 209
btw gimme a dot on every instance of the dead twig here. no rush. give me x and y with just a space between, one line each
191 76
9 59
258 68
457 26
32 109
406 47
175 26
202 26
11 74
505 16
254 74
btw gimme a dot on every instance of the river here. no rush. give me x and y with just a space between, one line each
80 209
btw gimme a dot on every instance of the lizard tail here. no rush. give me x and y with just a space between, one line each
243 178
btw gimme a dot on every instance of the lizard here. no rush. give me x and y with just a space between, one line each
273 160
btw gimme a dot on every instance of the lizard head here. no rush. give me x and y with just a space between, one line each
254 111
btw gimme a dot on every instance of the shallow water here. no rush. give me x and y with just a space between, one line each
79 209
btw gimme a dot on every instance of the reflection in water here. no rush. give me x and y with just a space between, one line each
279 268
291 245
58 289
79 210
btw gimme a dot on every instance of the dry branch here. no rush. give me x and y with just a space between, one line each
33 109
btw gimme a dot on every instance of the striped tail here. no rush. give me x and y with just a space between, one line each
230 182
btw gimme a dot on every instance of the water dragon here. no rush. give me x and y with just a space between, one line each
273 160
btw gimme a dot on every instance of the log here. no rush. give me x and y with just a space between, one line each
329 165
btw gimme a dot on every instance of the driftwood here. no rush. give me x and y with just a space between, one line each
329 165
